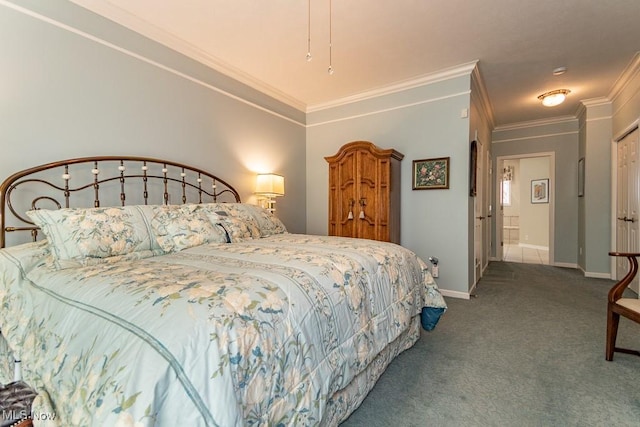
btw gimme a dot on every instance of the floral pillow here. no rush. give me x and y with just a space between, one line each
180 227
258 221
267 222
237 229
239 225
78 235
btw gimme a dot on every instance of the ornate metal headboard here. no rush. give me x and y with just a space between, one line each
104 181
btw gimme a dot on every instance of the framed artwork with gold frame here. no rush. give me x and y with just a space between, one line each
431 174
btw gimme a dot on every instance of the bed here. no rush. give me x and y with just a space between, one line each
189 307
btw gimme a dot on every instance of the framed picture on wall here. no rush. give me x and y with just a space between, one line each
431 174
540 190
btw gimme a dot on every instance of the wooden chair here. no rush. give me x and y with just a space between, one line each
618 306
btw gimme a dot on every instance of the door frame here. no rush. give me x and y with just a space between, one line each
614 191
552 200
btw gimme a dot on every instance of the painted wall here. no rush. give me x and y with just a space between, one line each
421 123
582 227
74 84
595 205
560 137
534 217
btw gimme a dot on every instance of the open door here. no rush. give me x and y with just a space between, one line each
478 191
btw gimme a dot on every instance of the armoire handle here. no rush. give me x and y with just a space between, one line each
352 203
363 203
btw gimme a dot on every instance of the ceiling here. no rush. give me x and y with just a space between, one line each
378 44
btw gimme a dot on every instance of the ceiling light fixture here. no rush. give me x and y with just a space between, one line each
330 70
554 97
309 57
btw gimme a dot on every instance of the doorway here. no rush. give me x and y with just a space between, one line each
524 224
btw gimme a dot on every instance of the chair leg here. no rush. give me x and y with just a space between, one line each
612 332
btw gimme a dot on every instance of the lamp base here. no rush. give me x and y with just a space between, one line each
269 204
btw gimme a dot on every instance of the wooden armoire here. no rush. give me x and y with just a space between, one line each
364 192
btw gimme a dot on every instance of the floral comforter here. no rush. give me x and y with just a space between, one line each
262 332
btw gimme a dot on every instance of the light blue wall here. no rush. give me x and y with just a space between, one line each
582 221
421 123
597 199
96 88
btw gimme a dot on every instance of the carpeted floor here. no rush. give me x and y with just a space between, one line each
528 351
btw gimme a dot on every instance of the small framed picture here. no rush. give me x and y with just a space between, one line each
431 174
540 190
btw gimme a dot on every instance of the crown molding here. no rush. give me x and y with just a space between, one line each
587 104
626 77
536 123
484 96
596 102
423 80
132 22
530 137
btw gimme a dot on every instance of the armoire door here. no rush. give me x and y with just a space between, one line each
343 196
368 205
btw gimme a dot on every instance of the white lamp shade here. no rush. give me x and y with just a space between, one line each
270 185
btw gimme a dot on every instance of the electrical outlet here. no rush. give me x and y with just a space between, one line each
434 271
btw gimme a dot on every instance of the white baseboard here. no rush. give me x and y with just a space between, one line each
472 291
455 294
597 275
565 265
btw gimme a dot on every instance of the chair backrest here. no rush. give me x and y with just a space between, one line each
618 306
615 293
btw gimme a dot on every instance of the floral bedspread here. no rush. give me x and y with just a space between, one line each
261 332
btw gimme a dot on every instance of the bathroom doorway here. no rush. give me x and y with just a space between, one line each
525 220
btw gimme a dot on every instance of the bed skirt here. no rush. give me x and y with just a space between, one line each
347 400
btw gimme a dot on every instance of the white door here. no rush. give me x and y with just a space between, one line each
487 197
627 218
500 210
480 215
